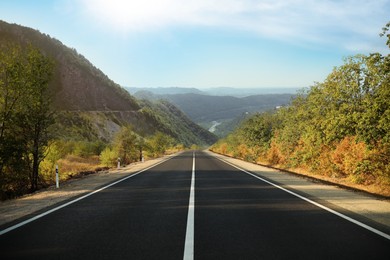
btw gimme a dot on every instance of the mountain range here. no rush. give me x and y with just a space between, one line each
217 91
218 113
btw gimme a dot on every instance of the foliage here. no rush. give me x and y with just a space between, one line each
126 144
108 157
338 128
158 144
79 88
131 147
166 118
89 110
25 115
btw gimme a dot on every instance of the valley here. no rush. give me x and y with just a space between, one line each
222 112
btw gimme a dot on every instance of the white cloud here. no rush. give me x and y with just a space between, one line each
300 21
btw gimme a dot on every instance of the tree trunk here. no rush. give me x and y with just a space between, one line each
35 166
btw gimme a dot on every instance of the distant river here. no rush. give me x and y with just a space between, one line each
215 124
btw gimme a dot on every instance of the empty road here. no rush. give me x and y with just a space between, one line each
192 206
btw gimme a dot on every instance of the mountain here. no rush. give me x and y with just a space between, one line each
165 91
90 105
77 83
166 115
202 108
245 92
218 91
220 113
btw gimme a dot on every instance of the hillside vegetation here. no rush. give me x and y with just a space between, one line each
339 129
79 87
76 83
73 115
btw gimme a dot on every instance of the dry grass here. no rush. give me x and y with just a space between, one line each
376 187
72 166
379 188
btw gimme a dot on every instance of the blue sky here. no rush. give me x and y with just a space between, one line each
210 43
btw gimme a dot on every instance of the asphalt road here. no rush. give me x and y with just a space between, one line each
234 216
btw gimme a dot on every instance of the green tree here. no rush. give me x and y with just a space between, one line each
140 144
126 145
108 157
37 113
384 32
12 88
339 127
25 111
257 130
159 143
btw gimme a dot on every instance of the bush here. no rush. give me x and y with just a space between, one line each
348 155
109 157
86 149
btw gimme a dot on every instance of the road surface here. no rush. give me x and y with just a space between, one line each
192 206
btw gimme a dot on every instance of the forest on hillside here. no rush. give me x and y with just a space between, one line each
56 108
339 128
35 136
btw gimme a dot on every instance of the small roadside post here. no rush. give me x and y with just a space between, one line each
119 163
57 177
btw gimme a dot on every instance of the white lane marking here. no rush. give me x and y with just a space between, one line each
376 231
2 232
189 242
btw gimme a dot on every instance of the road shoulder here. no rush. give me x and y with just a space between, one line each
15 209
364 205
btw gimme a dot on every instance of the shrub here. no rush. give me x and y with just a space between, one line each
109 157
274 155
348 155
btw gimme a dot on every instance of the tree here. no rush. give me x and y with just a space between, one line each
140 144
126 144
37 114
159 143
385 33
13 171
339 127
25 113
257 130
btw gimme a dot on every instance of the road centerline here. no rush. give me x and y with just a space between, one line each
189 240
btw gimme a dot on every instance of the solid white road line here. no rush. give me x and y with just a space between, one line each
2 232
189 242
376 231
